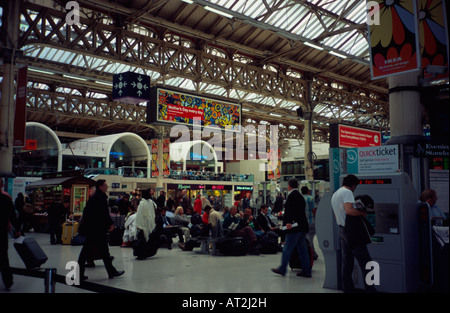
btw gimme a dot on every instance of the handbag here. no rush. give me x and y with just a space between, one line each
368 226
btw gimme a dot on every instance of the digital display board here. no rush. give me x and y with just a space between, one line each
375 181
173 107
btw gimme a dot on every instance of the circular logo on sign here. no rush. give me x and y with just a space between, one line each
335 166
351 156
376 138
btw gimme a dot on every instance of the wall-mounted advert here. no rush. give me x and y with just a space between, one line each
381 159
174 107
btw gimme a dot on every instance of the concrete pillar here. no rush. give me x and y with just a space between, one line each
405 109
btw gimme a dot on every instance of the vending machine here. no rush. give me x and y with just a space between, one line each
395 244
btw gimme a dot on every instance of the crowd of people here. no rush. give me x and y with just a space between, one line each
154 222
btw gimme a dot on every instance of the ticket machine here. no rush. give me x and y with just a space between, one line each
395 245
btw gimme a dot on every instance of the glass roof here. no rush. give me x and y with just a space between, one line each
303 19
320 21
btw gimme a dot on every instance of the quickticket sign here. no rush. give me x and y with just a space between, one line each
372 159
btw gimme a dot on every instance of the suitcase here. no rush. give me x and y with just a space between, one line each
294 261
236 246
70 229
30 252
269 243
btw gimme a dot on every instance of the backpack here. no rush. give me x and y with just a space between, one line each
268 242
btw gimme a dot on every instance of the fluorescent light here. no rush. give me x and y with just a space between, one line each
40 71
218 12
313 45
74 77
102 83
338 54
188 1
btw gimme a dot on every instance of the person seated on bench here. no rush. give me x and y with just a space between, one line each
182 221
165 226
234 222
266 223
250 220
213 218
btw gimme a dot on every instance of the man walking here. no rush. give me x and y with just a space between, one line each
311 208
95 224
7 219
296 229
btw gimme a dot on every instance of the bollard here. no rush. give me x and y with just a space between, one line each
50 280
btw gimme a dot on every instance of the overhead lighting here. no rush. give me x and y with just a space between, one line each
338 54
276 115
188 1
313 45
103 83
74 77
218 12
40 71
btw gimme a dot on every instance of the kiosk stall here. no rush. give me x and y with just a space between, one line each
54 187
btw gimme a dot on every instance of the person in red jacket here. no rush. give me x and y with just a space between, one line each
198 204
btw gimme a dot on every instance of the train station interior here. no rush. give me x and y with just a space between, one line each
226 102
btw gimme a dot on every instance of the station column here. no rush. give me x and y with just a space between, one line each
10 38
405 110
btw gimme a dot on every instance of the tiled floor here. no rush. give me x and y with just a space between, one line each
174 271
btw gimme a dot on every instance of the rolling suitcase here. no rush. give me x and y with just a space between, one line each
70 229
294 261
30 252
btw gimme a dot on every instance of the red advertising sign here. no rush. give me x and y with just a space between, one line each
354 137
31 144
174 111
21 110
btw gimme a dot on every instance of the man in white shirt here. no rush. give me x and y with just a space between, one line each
342 202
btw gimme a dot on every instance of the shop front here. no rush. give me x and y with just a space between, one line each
56 187
219 195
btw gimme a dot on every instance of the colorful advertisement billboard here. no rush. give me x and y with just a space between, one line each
171 107
433 37
393 38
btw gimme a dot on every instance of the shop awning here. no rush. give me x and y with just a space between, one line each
65 181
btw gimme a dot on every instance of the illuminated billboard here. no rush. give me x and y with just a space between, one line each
169 107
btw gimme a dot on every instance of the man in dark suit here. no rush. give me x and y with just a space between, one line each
296 229
266 223
95 224
7 219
